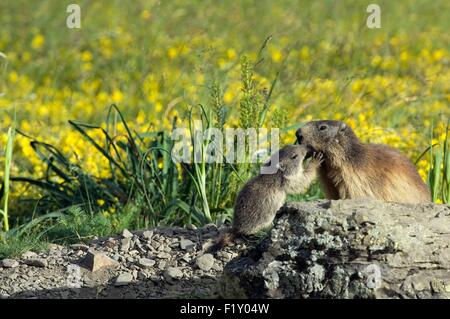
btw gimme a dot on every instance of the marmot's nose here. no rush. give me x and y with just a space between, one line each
299 136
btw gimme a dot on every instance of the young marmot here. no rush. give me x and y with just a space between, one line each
259 200
352 169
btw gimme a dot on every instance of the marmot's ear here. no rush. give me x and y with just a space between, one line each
342 127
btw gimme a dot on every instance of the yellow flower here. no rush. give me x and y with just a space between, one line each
38 41
276 55
404 56
172 53
158 107
13 77
304 53
86 56
231 54
146 14
228 97
140 119
117 96
100 202
438 54
376 61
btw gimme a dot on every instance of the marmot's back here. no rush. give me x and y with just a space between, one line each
390 176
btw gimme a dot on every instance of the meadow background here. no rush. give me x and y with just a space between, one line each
230 64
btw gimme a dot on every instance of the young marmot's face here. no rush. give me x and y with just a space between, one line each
325 136
292 158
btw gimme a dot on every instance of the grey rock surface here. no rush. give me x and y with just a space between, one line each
348 249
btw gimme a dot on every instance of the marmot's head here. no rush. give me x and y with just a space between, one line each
330 137
291 159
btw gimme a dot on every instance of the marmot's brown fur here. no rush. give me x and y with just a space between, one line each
352 169
262 196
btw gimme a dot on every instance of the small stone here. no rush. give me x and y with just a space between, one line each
205 262
52 246
186 244
110 243
217 267
163 255
29 254
79 247
148 234
173 273
186 258
162 265
191 227
127 234
125 244
123 279
146 262
36 262
9 263
95 260
224 256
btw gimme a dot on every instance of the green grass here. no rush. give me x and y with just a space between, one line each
4 192
140 193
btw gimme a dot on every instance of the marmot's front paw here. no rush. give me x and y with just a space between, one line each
317 159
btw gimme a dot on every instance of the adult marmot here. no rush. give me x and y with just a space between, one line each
352 169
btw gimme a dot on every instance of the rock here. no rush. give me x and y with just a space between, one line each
347 249
79 247
127 234
123 279
110 243
191 227
186 257
148 234
95 260
162 265
173 273
29 254
36 262
205 262
52 246
163 255
9 263
186 244
146 262
125 244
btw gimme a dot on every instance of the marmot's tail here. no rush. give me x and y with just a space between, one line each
224 240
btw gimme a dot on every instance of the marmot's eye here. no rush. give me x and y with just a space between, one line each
295 156
323 127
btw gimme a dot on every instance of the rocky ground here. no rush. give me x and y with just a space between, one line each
322 249
158 263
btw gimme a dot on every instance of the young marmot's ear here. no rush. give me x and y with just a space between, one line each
342 127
